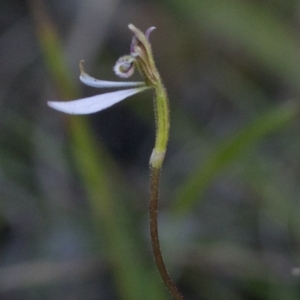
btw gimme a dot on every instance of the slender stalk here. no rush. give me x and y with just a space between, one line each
153 208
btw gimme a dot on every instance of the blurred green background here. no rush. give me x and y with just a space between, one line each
74 189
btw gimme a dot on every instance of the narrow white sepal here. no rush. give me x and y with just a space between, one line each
93 104
91 81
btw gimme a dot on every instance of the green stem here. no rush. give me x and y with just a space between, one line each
162 118
153 208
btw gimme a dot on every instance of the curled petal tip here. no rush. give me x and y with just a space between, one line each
135 30
124 67
148 31
81 66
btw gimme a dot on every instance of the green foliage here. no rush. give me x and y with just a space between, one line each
231 150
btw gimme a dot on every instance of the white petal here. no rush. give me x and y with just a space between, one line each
93 104
91 81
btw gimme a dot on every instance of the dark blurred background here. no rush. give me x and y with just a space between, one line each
74 189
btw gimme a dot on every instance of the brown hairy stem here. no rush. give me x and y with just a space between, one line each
153 207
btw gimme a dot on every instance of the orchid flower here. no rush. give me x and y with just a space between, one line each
141 58
124 68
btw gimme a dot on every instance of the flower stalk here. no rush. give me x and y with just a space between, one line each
141 58
162 120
